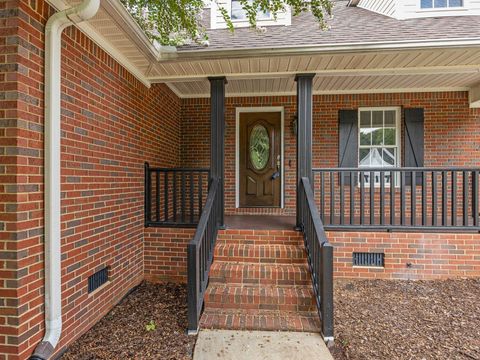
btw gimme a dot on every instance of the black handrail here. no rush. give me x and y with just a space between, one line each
174 196
320 257
386 198
200 255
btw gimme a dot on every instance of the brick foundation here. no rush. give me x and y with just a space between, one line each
165 257
429 255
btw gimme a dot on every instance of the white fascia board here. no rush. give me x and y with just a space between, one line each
425 70
121 15
332 92
214 54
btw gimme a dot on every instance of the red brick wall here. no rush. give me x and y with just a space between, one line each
452 133
428 255
111 124
166 253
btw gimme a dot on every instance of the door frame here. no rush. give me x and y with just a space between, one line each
268 109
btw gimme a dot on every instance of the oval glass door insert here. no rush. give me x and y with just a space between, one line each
259 147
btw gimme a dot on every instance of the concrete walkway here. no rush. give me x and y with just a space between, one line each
261 345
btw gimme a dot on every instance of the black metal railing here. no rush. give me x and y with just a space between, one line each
320 256
200 255
174 196
387 198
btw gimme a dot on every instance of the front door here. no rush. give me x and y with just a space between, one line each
260 159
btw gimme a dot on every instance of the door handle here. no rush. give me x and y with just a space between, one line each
275 175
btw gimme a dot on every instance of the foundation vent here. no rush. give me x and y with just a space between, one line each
98 279
368 259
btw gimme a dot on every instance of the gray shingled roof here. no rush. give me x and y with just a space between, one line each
349 25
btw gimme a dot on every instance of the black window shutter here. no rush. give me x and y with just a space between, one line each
414 142
347 140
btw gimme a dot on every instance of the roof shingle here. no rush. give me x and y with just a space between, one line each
349 25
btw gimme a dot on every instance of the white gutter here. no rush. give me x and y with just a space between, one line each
53 293
334 48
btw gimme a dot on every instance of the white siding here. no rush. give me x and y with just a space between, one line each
385 7
411 9
217 21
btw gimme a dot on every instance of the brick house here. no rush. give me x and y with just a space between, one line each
145 151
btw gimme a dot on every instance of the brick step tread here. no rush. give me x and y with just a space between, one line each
259 232
251 273
287 237
268 297
266 320
253 253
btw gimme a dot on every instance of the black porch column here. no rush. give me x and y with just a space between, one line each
217 136
304 134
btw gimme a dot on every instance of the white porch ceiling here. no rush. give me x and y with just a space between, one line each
333 85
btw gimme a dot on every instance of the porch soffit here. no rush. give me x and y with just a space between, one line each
392 71
339 71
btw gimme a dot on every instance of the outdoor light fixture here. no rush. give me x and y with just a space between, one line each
294 124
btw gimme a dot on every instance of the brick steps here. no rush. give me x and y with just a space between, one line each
259 280
266 320
266 254
260 274
287 298
260 237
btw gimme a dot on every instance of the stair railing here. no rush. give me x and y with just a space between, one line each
319 255
200 255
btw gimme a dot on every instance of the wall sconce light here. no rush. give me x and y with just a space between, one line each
294 124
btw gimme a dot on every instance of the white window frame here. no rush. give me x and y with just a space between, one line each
245 19
447 8
398 138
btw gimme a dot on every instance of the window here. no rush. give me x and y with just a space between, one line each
379 139
440 4
238 13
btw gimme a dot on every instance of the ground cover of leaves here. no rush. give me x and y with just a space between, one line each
122 333
384 319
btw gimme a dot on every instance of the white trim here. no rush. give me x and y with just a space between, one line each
465 7
270 109
175 90
333 92
52 149
424 70
212 54
114 53
97 38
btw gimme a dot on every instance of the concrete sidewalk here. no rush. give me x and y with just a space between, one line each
261 345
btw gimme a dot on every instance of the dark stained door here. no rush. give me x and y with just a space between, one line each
260 159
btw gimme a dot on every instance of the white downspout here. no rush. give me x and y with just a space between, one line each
53 290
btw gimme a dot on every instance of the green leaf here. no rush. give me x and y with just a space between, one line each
151 326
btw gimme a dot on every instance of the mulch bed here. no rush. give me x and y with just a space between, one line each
378 319
122 334
374 319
